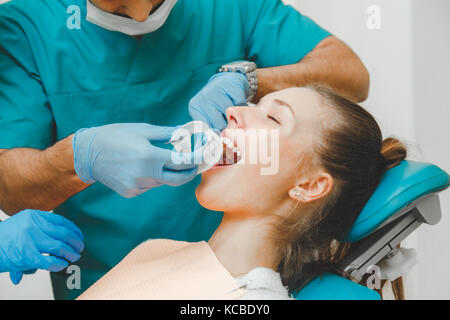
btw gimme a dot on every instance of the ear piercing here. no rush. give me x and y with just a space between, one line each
297 193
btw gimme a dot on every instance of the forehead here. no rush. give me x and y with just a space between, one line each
306 103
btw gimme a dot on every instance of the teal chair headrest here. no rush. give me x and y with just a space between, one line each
333 287
399 187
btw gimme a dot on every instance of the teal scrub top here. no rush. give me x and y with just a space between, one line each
54 81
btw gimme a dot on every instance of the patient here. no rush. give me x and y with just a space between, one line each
332 159
281 231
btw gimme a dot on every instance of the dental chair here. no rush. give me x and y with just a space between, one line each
407 197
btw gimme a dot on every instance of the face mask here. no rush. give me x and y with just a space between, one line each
129 26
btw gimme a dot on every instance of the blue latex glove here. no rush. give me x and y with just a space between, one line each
25 237
123 158
16 276
223 90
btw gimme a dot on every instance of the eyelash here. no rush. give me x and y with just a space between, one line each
274 119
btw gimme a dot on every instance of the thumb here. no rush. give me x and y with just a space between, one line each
200 115
52 264
158 134
178 178
16 277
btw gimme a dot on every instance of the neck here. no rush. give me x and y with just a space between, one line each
242 243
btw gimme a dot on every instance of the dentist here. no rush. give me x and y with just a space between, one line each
85 111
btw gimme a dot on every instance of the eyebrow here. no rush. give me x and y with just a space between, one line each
284 103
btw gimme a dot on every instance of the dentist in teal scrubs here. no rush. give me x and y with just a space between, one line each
84 109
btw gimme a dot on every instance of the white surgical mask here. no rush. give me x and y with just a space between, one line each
129 26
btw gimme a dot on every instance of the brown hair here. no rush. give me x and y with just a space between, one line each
351 149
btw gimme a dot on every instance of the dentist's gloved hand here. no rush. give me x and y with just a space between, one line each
25 237
123 158
223 90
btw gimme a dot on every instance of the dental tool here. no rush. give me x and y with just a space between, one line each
215 150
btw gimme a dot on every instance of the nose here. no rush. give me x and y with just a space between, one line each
236 117
139 10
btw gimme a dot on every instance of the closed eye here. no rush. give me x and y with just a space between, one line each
273 119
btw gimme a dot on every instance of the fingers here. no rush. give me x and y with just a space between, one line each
198 114
184 161
157 133
144 184
199 141
216 121
57 248
221 122
61 250
222 91
16 277
65 235
178 178
52 264
58 220
176 161
240 90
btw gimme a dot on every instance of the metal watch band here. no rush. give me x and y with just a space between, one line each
253 85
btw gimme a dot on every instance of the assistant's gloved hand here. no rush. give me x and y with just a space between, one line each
223 90
25 237
123 158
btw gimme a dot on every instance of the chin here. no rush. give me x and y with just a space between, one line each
208 195
218 189
210 200
202 198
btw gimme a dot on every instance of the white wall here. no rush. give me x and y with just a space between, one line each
431 83
408 59
408 62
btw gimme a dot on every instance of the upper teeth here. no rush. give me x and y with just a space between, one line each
230 145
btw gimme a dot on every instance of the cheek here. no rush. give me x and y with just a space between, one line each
243 187
108 5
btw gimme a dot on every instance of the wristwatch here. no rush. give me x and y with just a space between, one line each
247 68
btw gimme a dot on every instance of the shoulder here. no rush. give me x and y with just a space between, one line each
29 27
28 7
37 14
263 284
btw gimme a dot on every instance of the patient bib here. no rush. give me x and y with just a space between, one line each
167 270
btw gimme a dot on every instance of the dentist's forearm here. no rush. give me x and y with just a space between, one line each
332 63
35 179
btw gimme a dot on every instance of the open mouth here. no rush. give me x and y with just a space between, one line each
231 153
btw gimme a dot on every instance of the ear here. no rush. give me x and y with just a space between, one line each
312 189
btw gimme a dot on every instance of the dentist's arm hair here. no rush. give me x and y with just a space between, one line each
31 178
331 62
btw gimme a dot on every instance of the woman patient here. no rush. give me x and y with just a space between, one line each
281 231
